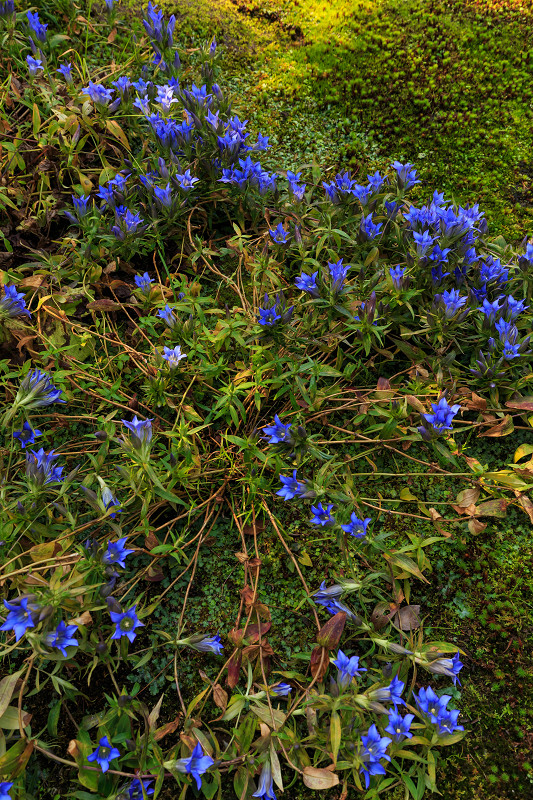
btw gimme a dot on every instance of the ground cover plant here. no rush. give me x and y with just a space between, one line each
236 401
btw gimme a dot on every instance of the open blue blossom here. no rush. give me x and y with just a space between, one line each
37 390
436 710
441 419
195 765
447 666
291 487
374 747
405 175
20 617
452 302
505 328
5 786
347 668
423 242
13 303
163 196
206 644
81 206
35 65
337 275
399 727
104 753
357 527
128 223
117 552
66 71
135 789
511 350
186 181
281 690
37 28
307 283
143 282
167 313
27 435
278 432
141 430
369 229
321 515
173 356
389 694
126 623
514 307
269 316
265 790
98 94
40 469
62 637
397 274
491 310
279 234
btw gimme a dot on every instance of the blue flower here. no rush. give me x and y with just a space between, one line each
141 430
109 5
280 235
109 501
281 690
127 223
123 86
391 209
173 356
325 595
436 711
143 282
81 205
511 350
491 310
20 617
26 435
5 786
321 515
36 26
265 790
357 527
405 175
505 328
13 303
135 789
62 637
195 765
66 71
389 694
347 669
452 302
186 181
104 753
397 274
117 552
368 229
126 623
7 9
167 313
399 727
447 666
206 644
165 97
98 94
35 65
423 242
291 487
441 419
514 307
337 275
278 432
40 468
269 316
307 283
374 748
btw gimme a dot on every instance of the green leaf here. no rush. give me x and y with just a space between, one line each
406 564
335 729
7 687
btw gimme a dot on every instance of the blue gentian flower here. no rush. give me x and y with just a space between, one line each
324 595
357 527
265 790
109 501
40 469
321 515
167 313
135 789
391 208
104 753
117 552
62 637
373 749
109 5
66 71
447 666
173 356
281 690
397 274
291 487
399 727
125 623
279 234
81 205
337 275
369 229
27 435
36 26
423 242
13 303
511 350
436 712
127 223
389 694
5 786
186 181
213 46
7 9
195 765
269 316
143 282
491 310
452 302
206 644
405 175
514 307
347 669
123 86
278 432
505 328
307 283
98 94
35 65
20 617
165 97
141 430
441 419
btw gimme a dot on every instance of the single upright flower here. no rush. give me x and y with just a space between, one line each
265 790
66 71
278 432
163 196
141 433
128 223
452 302
167 313
347 669
431 705
399 727
37 28
109 501
441 419
135 789
27 435
322 516
357 527
369 229
390 694
281 690
173 356
337 276
35 65
37 390
307 283
186 181
7 9
62 637
100 96
13 303
405 175
280 235
20 617
117 552
104 753
511 350
197 763
205 644
291 487
513 308
126 623
269 316
374 747
40 469
143 282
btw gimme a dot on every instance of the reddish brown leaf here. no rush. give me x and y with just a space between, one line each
319 662
330 634
234 668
